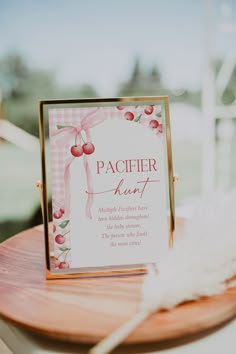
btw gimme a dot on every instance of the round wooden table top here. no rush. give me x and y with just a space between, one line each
88 309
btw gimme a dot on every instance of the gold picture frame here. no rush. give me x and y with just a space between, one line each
44 107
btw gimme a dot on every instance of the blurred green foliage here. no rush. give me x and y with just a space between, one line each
149 82
23 86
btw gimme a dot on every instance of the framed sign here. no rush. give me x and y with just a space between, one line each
108 166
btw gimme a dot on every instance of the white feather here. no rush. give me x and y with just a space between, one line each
202 259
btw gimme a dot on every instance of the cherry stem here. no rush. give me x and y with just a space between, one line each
82 138
61 254
76 139
66 233
66 255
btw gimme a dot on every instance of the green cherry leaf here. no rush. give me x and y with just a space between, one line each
64 126
64 224
138 118
158 114
64 249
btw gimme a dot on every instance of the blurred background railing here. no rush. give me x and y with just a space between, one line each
173 42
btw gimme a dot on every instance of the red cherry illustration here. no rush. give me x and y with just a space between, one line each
153 123
88 148
60 239
160 128
54 227
76 150
120 107
57 214
129 115
62 210
148 110
63 265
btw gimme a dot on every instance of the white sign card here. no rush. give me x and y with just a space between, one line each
110 184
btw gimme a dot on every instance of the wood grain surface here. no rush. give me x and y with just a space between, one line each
88 309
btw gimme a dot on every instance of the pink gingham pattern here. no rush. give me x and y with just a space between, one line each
58 156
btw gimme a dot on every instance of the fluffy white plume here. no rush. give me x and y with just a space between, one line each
202 259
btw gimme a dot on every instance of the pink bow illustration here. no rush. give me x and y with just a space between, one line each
62 137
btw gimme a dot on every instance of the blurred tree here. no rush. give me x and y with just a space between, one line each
87 91
18 80
142 83
83 91
150 83
155 75
14 74
136 74
23 86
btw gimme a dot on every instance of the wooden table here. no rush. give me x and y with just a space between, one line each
85 310
21 341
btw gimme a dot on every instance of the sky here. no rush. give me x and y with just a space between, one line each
97 41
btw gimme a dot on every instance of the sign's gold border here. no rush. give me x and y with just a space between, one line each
99 271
